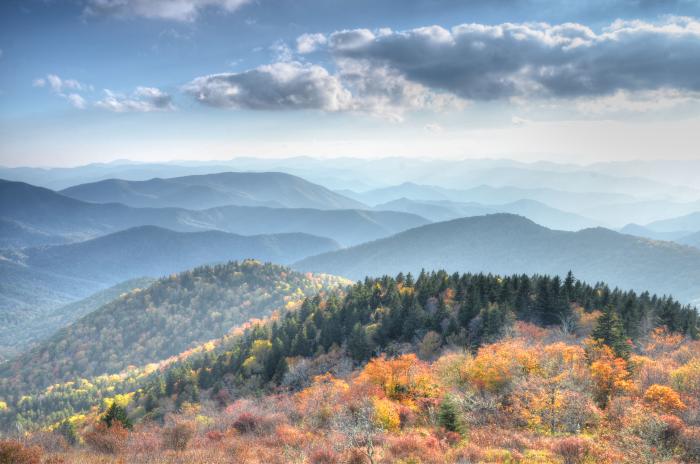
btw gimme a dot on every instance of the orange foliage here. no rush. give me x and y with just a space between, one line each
609 373
405 379
664 398
496 366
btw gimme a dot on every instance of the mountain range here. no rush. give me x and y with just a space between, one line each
32 216
273 189
503 243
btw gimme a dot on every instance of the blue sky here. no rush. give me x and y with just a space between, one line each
96 80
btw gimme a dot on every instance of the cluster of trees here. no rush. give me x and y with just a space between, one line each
402 314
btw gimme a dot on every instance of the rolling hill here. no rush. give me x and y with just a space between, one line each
175 313
32 216
37 280
444 210
504 243
211 190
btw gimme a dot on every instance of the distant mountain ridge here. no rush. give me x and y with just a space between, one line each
444 210
505 243
32 216
274 189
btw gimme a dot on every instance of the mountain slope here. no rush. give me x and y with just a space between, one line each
689 223
150 250
211 190
32 216
503 243
170 316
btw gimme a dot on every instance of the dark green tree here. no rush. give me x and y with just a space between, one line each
116 413
610 331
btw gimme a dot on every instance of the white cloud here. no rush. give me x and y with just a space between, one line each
76 100
143 100
309 43
174 10
283 85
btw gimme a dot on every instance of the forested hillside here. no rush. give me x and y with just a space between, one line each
504 243
151 324
17 337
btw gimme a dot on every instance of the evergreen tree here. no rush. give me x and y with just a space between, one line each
116 413
609 331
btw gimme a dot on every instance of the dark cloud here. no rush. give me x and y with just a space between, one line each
481 62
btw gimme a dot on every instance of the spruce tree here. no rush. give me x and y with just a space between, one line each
610 331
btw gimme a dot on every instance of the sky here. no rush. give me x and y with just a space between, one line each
86 81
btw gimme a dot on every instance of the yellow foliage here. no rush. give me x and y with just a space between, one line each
665 398
496 366
386 414
687 378
3 406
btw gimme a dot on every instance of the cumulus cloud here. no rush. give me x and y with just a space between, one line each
487 62
143 100
309 43
76 100
175 10
284 85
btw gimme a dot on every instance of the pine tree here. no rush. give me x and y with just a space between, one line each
116 413
610 331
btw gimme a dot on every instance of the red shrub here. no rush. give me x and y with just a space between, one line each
247 423
108 440
14 452
573 450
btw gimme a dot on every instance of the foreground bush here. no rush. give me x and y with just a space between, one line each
14 452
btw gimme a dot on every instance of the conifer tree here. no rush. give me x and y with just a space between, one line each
610 331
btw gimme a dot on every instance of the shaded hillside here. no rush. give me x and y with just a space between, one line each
504 243
211 190
37 216
444 210
17 335
170 316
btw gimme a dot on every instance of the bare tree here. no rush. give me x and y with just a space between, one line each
358 425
